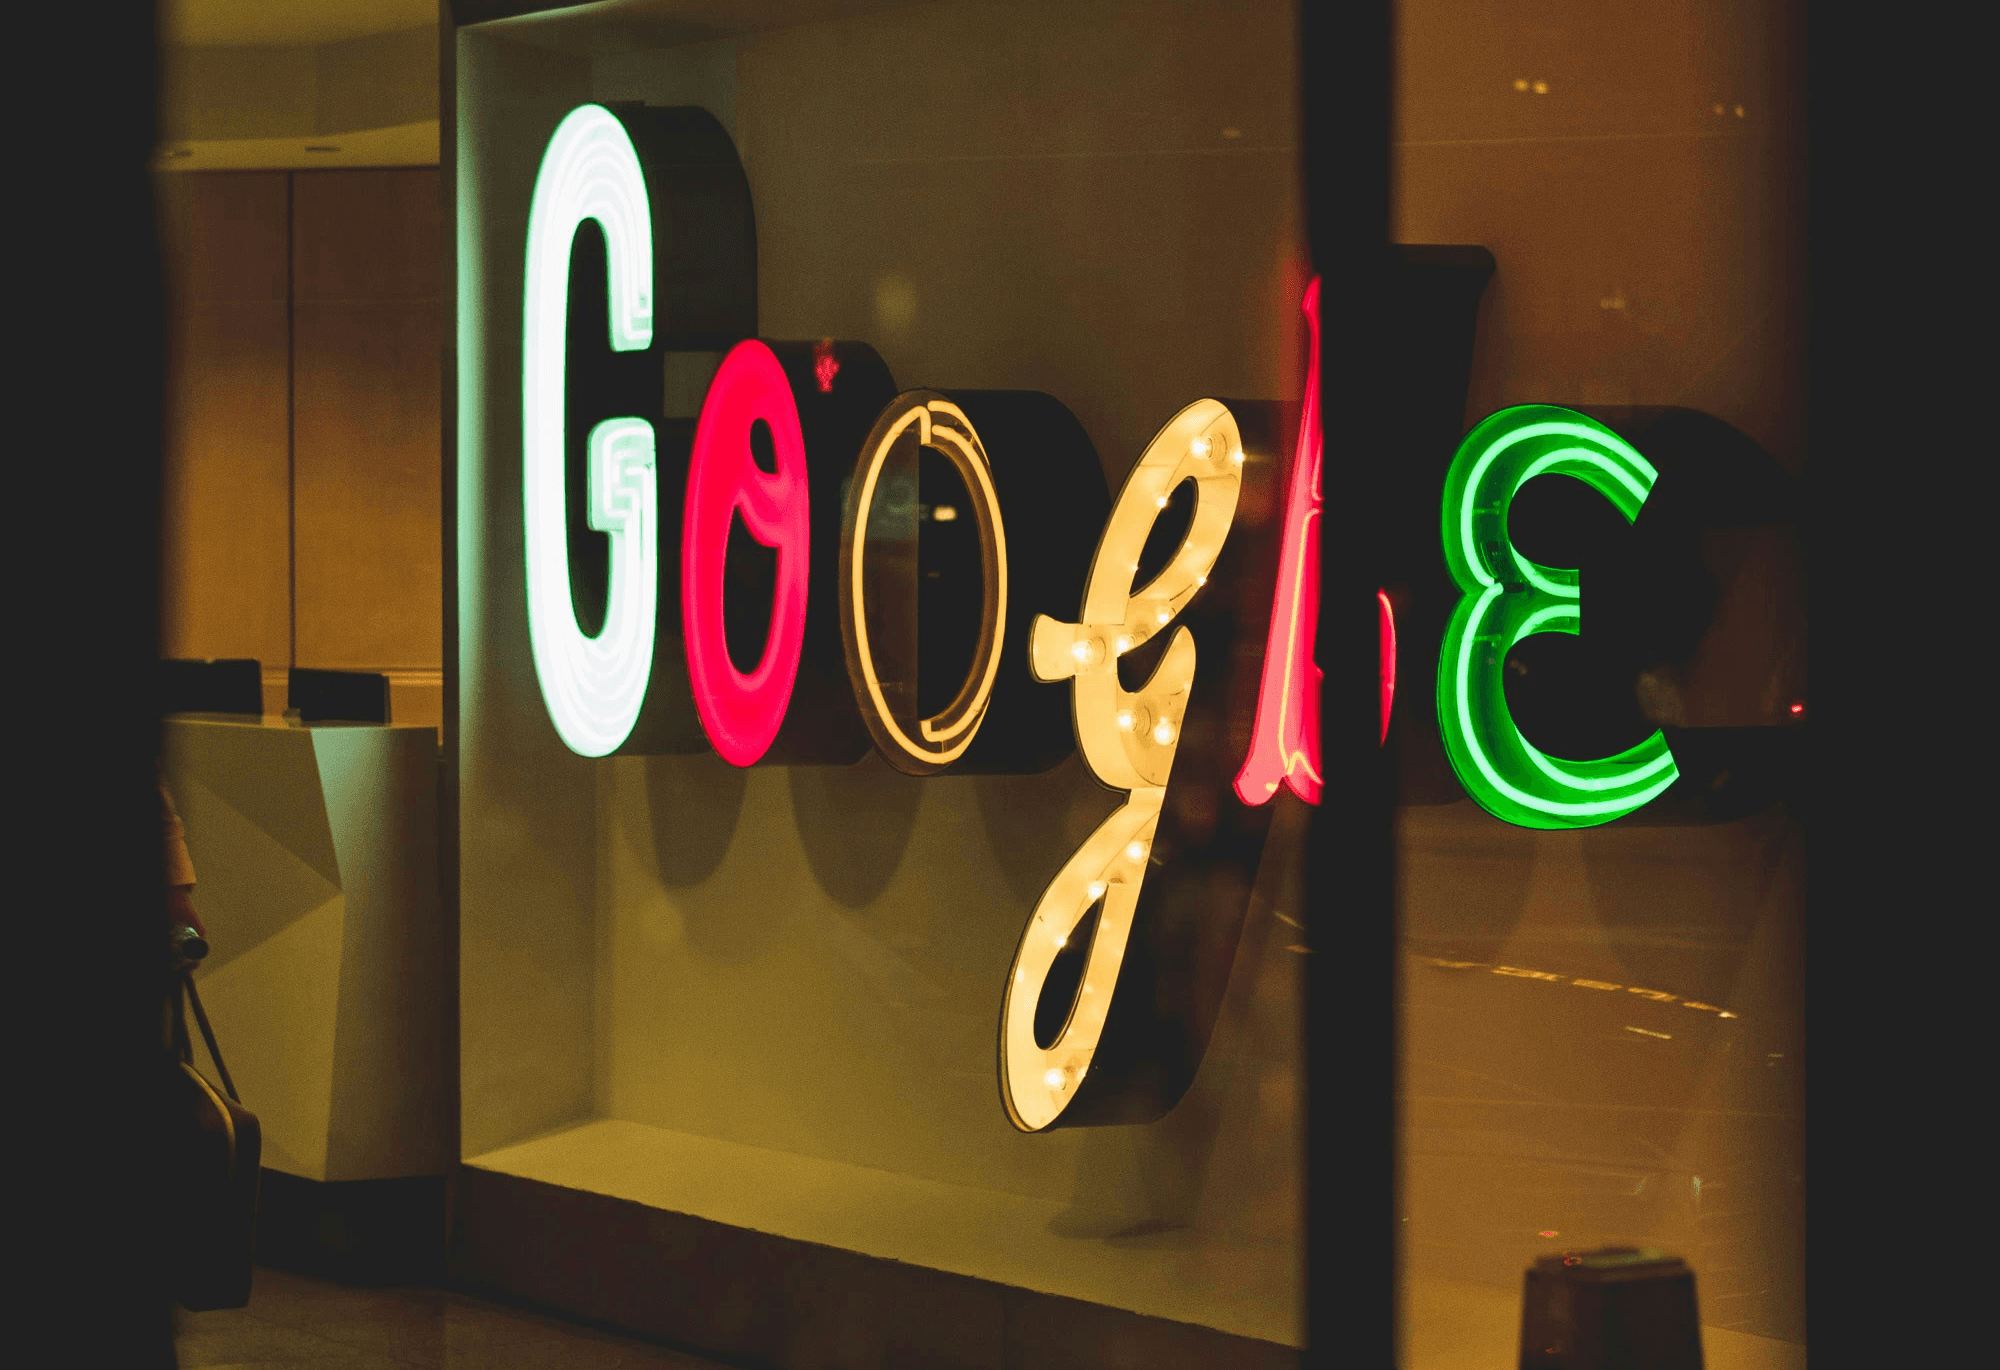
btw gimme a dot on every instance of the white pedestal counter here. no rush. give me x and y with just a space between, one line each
315 852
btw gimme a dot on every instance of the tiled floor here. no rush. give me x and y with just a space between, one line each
294 1323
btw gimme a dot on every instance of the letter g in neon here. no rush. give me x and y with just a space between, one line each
593 686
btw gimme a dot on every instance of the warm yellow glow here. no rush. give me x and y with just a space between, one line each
1128 739
941 739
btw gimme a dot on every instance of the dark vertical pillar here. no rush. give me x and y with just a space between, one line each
292 419
1346 55
84 909
1900 443
448 531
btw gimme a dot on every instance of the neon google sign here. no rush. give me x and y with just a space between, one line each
1173 646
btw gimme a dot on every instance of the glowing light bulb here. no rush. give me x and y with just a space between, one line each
1201 580
1055 1079
944 513
1199 447
1124 644
1062 940
1237 456
1088 651
1125 721
1164 614
1135 850
1160 501
1164 733
1096 889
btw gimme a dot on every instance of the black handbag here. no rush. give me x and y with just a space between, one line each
213 1173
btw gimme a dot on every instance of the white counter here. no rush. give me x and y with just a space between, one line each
315 853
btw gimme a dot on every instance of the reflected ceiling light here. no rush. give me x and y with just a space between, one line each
1523 973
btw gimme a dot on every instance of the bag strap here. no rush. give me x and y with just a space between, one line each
207 1037
183 1048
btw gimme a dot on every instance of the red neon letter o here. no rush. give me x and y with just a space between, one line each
741 713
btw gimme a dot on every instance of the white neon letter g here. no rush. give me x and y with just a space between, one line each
593 686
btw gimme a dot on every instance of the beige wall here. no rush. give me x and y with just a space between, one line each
302 488
365 427
299 90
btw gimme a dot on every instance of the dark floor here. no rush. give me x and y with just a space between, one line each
295 1323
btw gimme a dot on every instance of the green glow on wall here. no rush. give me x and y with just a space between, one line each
1507 597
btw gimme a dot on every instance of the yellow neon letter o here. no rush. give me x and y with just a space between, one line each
923 746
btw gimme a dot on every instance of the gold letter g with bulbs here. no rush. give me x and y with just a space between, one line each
1127 738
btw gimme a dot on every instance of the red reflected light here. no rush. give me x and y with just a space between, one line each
1548 1234
1798 708
1386 624
825 365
